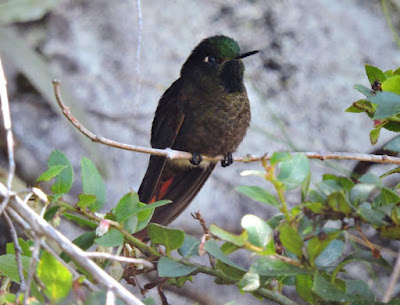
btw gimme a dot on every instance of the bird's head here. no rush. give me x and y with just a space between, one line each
217 60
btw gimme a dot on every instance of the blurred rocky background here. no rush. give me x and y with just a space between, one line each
312 52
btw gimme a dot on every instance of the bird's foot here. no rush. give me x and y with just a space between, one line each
228 160
196 158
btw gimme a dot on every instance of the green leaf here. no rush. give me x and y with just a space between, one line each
373 216
51 172
258 231
24 10
327 291
84 241
315 207
85 200
374 135
8 266
360 193
294 171
51 212
374 74
249 282
149 207
371 179
82 222
330 254
304 283
212 247
359 290
393 145
365 256
392 232
149 301
180 281
345 182
275 221
93 184
389 73
387 196
190 246
353 109
172 239
317 244
338 202
56 278
232 272
388 104
112 238
228 248
258 194
328 187
238 240
392 84
363 90
25 247
65 178
168 268
125 211
272 266
126 206
290 239
279 157
305 186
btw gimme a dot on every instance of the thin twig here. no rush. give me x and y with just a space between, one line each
362 242
394 277
175 154
32 266
5 109
123 259
18 252
110 297
43 229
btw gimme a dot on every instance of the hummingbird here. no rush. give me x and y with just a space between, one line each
205 111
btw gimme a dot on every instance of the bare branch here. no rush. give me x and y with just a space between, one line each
175 154
393 280
110 297
123 259
41 228
32 266
362 242
18 252
5 109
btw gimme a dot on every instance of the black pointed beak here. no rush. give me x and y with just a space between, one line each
247 54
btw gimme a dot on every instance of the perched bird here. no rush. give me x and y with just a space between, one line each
206 111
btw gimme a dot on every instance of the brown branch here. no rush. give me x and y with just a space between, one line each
175 154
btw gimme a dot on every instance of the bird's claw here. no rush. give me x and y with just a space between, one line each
228 160
196 159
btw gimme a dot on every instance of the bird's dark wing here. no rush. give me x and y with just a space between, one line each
163 178
180 189
166 124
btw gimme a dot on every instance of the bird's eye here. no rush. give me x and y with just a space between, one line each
211 59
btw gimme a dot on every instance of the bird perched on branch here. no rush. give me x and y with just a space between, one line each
206 111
